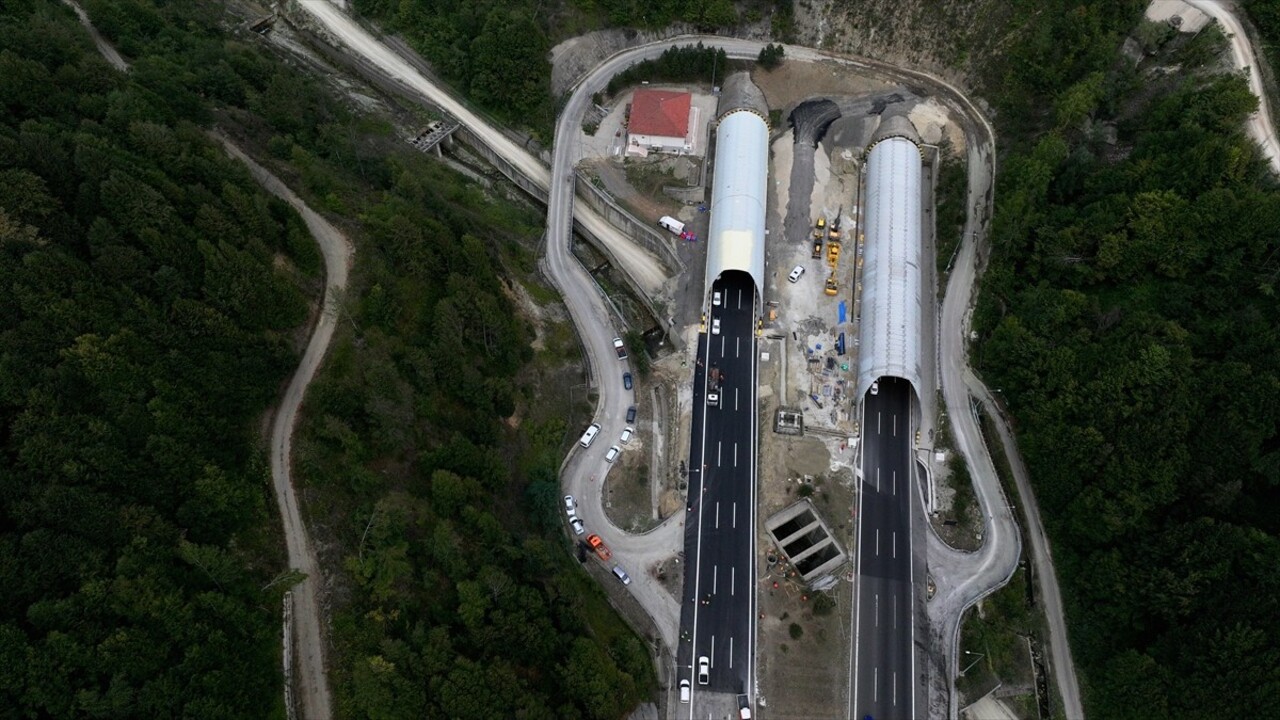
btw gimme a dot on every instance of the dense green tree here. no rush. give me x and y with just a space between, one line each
1129 316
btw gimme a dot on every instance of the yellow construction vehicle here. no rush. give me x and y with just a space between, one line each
833 254
820 228
831 287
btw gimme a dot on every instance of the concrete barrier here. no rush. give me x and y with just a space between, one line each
641 233
646 235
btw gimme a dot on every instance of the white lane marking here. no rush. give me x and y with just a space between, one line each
895 424
737 347
879 422
895 612
721 346
735 454
739 298
735 514
715 578
719 447
895 688
717 514
733 579
895 544
875 610
735 399
895 482
877 542
712 657
730 651
875 686
877 479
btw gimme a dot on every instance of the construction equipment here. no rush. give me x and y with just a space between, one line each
817 248
831 287
820 228
833 254
834 231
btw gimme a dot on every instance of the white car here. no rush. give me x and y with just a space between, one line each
796 272
621 574
613 454
704 670
875 387
626 435
715 298
576 523
570 504
715 326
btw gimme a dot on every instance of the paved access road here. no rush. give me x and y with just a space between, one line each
883 672
638 263
717 618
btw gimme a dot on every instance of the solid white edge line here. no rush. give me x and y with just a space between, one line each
857 597
697 569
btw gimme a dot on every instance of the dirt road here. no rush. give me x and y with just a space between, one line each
312 682
105 48
309 645
1260 125
634 260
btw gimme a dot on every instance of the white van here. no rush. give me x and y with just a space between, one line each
612 454
684 690
589 436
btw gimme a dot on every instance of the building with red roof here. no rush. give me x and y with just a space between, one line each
661 121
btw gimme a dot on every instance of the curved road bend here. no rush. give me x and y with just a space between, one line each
638 263
994 564
312 681
1242 53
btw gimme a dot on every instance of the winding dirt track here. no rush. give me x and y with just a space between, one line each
311 678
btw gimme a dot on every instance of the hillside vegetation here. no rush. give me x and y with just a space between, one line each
152 304
148 292
495 52
1130 317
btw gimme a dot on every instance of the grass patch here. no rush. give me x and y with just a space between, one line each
993 645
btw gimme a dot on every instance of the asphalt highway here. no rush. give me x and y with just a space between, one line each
884 666
717 618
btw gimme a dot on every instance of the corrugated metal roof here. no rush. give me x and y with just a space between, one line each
736 239
892 304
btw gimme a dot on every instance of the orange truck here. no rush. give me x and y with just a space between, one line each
602 550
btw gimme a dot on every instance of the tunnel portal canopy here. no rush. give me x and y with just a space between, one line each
736 239
892 305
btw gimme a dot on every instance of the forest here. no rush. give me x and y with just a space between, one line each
496 52
155 301
1129 318
149 292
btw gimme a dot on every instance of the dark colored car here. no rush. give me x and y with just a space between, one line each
631 414
626 380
